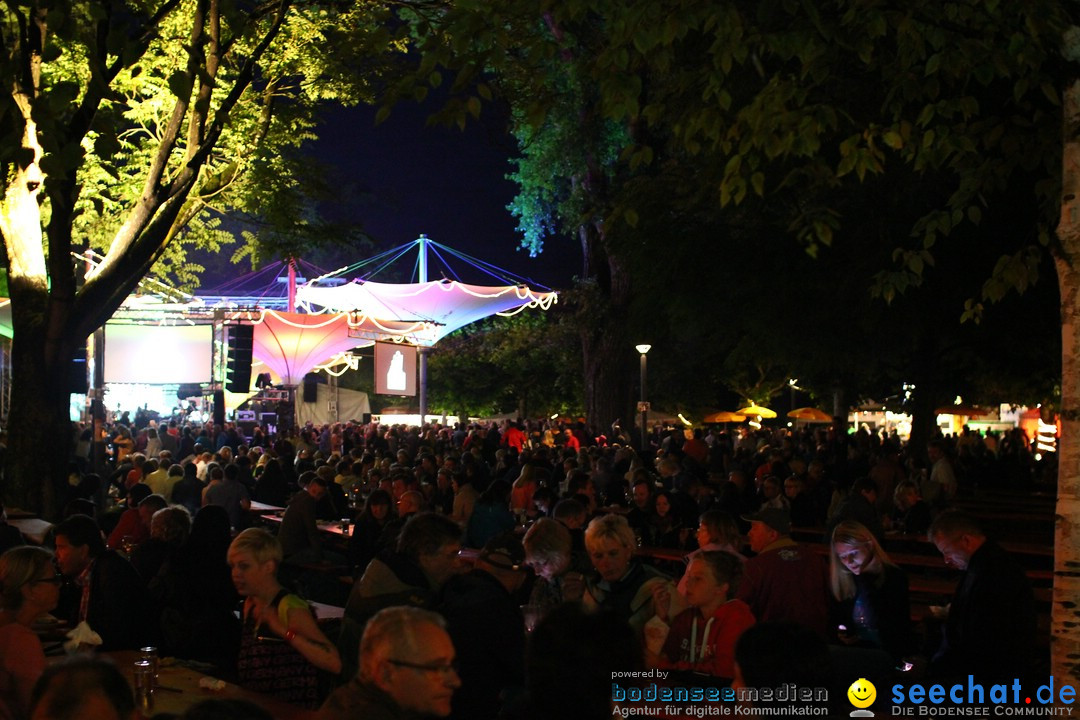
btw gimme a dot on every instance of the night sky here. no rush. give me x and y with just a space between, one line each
402 178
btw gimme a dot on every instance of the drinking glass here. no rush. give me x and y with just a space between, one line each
150 655
143 676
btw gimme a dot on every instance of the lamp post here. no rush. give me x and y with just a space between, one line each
643 405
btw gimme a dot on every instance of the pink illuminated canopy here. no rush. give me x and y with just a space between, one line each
292 344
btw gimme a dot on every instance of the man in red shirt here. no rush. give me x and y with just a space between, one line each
513 436
784 581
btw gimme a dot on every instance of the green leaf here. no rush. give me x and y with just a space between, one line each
757 180
473 106
933 63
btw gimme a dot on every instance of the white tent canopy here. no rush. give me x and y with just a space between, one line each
447 304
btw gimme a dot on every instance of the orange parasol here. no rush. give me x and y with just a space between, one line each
809 414
723 417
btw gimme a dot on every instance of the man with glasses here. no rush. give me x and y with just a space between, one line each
407 669
103 590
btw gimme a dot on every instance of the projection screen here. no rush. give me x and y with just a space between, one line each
156 354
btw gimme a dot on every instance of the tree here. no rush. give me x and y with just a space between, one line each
127 125
819 110
525 364
1065 646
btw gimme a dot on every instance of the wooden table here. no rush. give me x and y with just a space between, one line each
331 527
658 553
33 529
185 690
259 508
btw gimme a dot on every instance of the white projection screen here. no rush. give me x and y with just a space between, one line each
155 354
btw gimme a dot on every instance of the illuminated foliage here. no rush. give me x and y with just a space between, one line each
139 127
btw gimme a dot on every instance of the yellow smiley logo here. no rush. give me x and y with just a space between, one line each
862 693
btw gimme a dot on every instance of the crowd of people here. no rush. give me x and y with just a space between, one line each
455 534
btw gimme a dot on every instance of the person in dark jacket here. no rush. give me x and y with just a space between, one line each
412 574
104 590
366 539
491 515
860 506
911 514
195 597
990 628
485 622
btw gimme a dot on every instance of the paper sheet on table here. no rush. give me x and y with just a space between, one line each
81 636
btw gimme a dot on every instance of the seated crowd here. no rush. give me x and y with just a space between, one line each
483 561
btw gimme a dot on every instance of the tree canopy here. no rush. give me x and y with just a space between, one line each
870 130
135 126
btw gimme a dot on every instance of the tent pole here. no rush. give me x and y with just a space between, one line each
292 285
423 383
423 277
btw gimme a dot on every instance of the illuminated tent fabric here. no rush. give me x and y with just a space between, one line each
448 304
291 344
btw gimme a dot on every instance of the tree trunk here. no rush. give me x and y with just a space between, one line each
40 441
607 393
607 352
1065 613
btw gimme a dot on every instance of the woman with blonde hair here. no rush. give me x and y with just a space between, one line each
281 646
621 584
871 592
29 589
524 487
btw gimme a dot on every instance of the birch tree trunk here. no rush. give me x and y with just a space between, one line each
1065 612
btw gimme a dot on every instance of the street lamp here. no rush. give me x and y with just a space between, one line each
643 405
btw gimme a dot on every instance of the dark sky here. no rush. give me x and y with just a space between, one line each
402 178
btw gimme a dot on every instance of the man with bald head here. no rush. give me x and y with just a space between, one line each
82 688
407 669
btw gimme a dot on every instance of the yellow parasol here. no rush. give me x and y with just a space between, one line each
753 410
